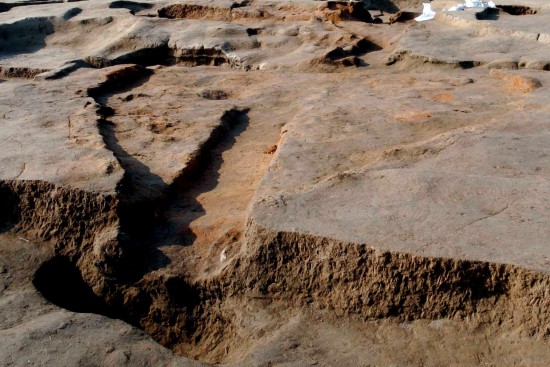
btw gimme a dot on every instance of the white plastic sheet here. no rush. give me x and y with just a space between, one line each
472 4
427 13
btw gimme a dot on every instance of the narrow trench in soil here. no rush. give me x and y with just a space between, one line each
198 227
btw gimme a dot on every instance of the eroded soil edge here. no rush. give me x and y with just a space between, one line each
301 270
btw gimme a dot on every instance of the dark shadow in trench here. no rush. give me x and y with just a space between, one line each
139 189
152 213
133 6
60 282
9 215
24 36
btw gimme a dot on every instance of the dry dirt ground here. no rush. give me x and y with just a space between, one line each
274 183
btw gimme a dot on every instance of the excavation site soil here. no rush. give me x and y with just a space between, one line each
274 183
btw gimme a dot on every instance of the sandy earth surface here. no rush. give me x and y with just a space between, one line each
273 183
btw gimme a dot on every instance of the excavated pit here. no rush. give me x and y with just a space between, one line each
331 10
518 9
305 271
351 55
110 260
61 283
352 10
191 11
166 56
196 316
133 6
406 60
488 14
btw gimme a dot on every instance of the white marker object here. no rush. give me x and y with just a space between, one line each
223 255
427 14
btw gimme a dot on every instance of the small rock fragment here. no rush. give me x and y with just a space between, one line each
270 150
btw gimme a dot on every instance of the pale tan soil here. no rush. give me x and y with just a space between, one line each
272 183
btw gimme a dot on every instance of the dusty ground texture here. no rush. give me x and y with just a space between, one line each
273 183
